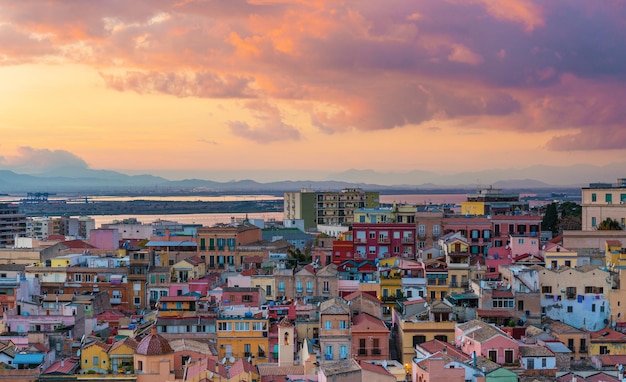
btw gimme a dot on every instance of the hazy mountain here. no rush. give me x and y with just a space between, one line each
103 181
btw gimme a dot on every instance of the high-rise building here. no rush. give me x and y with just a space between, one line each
12 224
329 207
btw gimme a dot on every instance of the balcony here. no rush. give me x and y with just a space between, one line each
408 240
299 290
454 284
362 352
384 240
115 300
327 357
583 349
376 351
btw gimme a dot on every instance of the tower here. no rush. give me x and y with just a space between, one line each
286 340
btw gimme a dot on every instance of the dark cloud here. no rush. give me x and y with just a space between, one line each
34 161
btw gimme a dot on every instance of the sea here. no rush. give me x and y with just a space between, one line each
209 219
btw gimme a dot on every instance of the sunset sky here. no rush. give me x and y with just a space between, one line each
270 89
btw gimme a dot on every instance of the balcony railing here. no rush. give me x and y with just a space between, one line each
453 284
376 351
362 351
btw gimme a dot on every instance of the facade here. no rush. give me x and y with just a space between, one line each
334 330
301 206
576 296
492 201
337 208
488 341
383 240
242 337
370 338
12 224
601 201
218 245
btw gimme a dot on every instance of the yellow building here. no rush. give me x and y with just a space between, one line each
473 208
187 269
436 279
411 333
121 355
615 254
94 356
267 283
243 337
557 256
607 341
456 249
390 283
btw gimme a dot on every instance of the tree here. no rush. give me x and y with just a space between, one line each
570 209
609 225
550 220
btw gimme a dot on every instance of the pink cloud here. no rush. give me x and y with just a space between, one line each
537 66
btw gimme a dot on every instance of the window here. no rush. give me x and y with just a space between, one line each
604 350
422 230
242 326
328 325
343 352
544 363
594 197
593 221
568 263
418 339
202 244
570 309
520 241
225 326
95 361
372 235
78 277
546 289
246 350
436 229
140 365
258 326
342 324
326 287
309 286
246 298
281 286
493 355
328 352
299 286
608 198
268 290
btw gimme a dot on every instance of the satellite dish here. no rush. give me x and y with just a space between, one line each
78 353
211 375
223 360
231 359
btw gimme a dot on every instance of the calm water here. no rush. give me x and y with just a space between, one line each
204 219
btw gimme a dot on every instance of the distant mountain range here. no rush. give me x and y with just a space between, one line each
82 180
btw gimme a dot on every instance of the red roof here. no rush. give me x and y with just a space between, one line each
363 322
612 359
65 366
154 344
373 368
434 346
607 335
194 260
78 244
614 243
493 313
355 295
502 293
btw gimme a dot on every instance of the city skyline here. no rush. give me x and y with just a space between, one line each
276 89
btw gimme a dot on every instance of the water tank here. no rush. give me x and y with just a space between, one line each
248 314
271 303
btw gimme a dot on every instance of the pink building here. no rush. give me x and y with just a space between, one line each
486 340
250 297
438 368
102 238
383 240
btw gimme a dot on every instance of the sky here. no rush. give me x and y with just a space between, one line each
295 89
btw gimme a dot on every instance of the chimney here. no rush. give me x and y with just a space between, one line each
153 330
